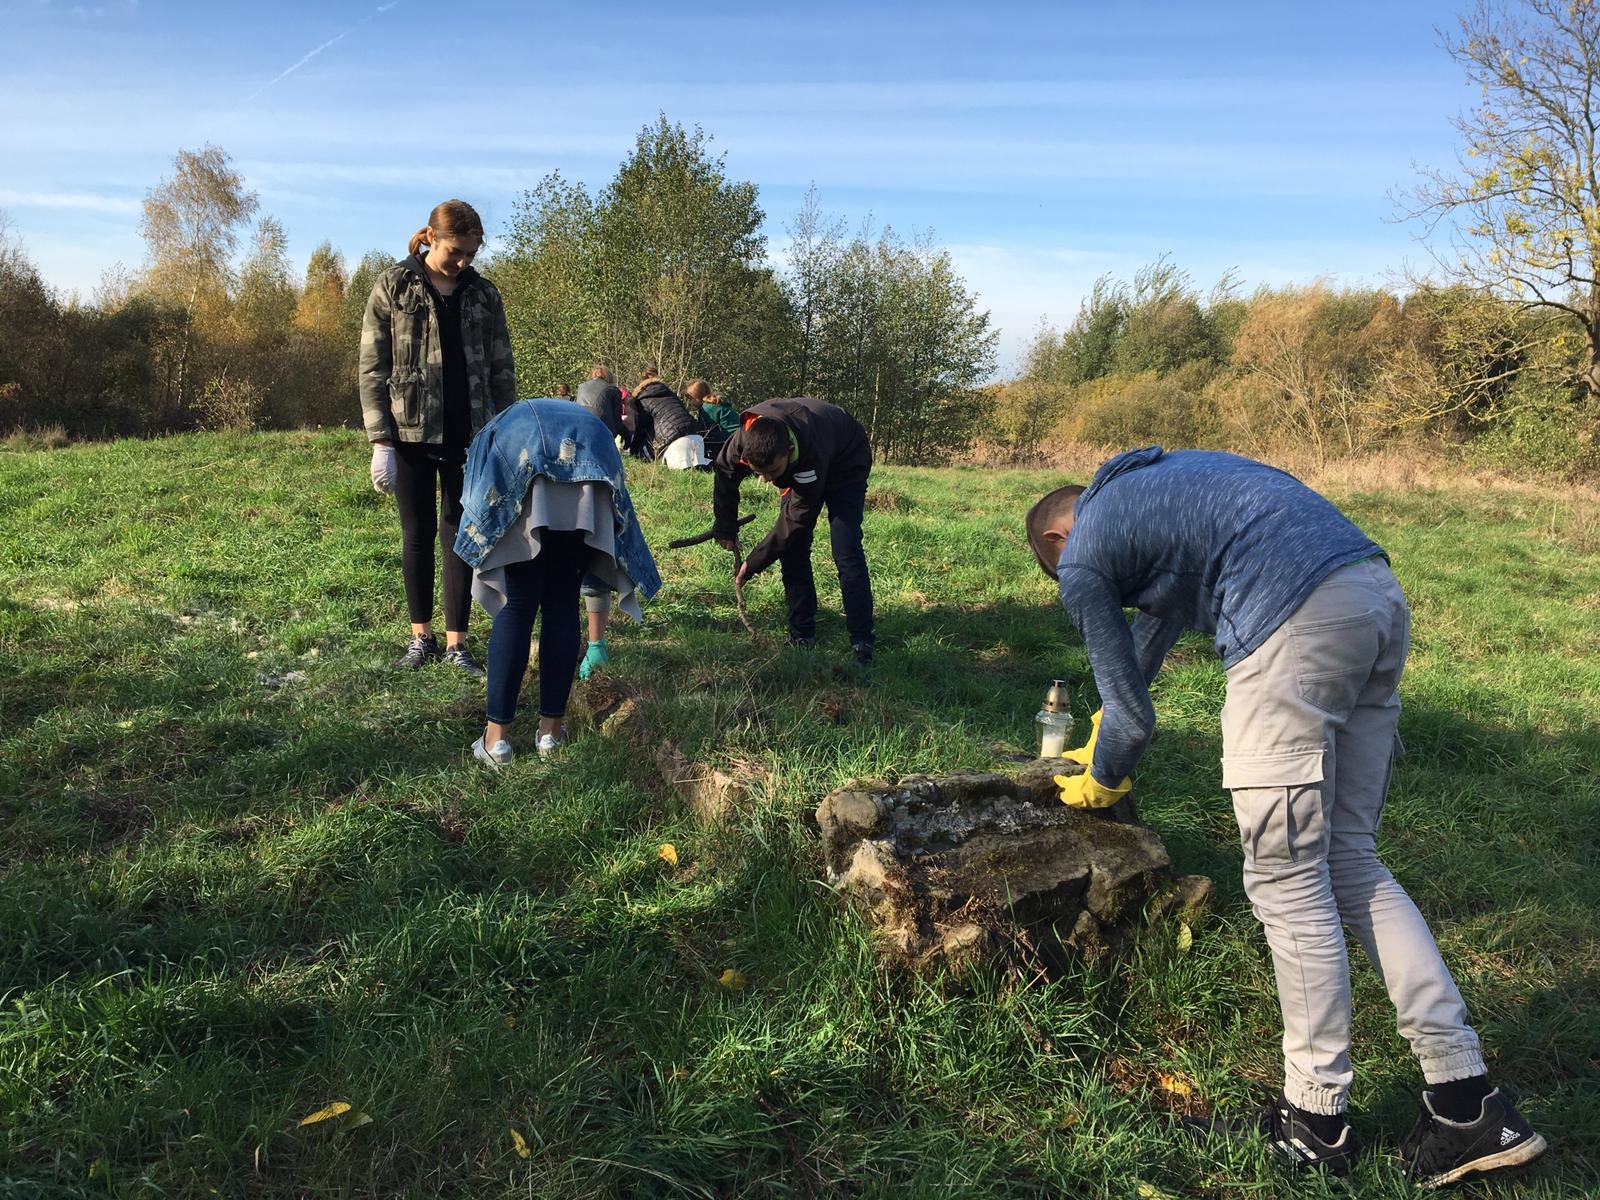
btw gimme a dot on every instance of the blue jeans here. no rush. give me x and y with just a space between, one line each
846 507
549 582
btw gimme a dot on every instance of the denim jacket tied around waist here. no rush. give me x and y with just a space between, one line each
565 443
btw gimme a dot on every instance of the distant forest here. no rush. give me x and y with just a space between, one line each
1496 354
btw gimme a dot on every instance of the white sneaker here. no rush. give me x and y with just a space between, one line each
499 756
549 743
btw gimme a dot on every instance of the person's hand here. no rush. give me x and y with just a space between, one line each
383 469
742 574
1084 754
1085 791
731 545
594 658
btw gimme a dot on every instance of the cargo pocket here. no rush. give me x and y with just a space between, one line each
1277 801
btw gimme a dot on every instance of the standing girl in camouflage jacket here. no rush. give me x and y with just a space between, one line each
435 366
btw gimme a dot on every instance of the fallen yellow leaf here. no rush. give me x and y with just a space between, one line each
337 1109
1175 1085
1185 939
356 1120
734 981
668 853
520 1145
1149 1191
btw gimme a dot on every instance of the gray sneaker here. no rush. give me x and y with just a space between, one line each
424 646
496 756
461 658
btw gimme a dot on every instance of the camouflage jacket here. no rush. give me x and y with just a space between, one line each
400 371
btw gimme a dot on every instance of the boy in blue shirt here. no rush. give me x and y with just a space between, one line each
1313 631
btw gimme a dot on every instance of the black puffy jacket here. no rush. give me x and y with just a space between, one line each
669 419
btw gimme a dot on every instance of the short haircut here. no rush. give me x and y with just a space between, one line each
601 372
763 442
1049 510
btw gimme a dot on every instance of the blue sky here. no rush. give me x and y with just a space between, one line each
1045 144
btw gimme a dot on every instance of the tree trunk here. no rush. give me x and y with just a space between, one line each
1591 374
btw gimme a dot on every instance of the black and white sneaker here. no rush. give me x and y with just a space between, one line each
1289 1134
461 659
424 646
863 653
1439 1151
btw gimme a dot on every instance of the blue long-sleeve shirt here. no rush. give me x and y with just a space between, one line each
1194 539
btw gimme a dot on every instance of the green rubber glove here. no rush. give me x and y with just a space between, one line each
595 658
1084 754
1085 791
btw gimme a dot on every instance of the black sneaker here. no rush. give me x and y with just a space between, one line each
461 659
1439 1151
863 653
803 643
1286 1129
424 646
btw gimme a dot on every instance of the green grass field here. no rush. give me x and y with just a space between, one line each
247 870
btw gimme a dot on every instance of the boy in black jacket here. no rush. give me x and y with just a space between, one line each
819 456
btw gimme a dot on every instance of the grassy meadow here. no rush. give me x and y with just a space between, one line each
247 870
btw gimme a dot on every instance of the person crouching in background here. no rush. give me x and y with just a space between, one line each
671 431
717 421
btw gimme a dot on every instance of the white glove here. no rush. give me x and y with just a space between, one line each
383 469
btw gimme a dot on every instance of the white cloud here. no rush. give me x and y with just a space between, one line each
79 201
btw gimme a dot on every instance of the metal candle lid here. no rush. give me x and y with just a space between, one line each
1055 700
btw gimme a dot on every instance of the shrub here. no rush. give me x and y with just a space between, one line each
232 403
1174 409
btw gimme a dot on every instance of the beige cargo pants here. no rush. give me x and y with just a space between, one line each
1308 738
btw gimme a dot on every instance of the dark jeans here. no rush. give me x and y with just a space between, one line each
846 507
549 582
427 491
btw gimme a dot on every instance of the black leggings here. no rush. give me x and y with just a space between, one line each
548 583
424 477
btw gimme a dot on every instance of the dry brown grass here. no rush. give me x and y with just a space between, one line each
1402 468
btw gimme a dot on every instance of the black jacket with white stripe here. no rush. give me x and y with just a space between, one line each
831 451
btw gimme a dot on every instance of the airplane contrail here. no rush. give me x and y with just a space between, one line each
310 54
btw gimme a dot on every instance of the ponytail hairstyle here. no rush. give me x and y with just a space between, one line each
453 218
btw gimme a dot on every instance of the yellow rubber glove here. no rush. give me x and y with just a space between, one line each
1085 791
1084 754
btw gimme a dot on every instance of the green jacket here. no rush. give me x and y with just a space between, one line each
400 371
723 418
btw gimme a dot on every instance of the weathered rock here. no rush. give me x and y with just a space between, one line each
961 867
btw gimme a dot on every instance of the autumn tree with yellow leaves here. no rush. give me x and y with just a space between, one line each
1523 206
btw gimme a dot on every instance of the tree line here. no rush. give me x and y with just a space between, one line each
1319 369
665 266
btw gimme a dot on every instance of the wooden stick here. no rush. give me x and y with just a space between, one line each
738 594
685 542
738 561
